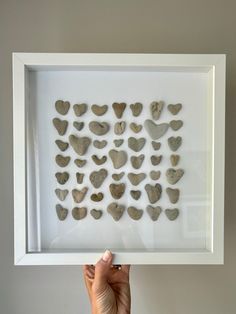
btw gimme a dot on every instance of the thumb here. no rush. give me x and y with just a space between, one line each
102 269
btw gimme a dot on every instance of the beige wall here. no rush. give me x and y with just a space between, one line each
177 26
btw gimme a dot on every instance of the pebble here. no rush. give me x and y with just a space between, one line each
173 195
99 110
115 210
117 190
62 177
136 109
174 142
136 144
61 212
156 109
172 214
99 128
96 213
61 194
154 212
97 177
119 158
79 144
79 195
62 145
79 213
174 175
135 213
119 108
174 109
62 161
137 161
136 178
153 192
155 130
80 109
62 107
60 125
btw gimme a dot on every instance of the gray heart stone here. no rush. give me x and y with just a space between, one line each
60 125
97 177
99 128
172 214
99 161
61 194
137 161
119 127
115 210
96 213
79 144
62 161
156 145
155 175
154 212
79 177
119 108
117 176
136 128
99 110
174 159
62 107
117 190
62 177
155 130
118 142
173 195
79 213
174 142
79 195
155 160
135 194
136 109
61 212
78 125
119 158
62 145
153 192
80 109
97 197
156 109
136 144
99 144
136 178
173 176
174 109
80 162
135 213
176 124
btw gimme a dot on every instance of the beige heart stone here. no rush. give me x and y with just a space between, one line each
61 194
97 177
79 213
153 192
119 158
174 109
62 177
119 127
136 128
78 125
99 128
117 176
156 145
115 210
173 195
136 109
62 161
176 124
119 109
174 142
61 212
118 142
117 190
80 109
96 213
79 144
135 194
174 175
60 125
136 144
62 145
172 214
155 160
79 177
99 161
62 107
97 197
174 159
79 195
155 130
136 178
137 161
155 175
99 144
80 162
156 109
154 212
99 110
135 213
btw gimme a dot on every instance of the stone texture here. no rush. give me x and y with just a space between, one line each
172 214
135 213
62 107
61 194
156 109
62 161
153 192
96 213
80 162
136 144
156 145
155 175
97 197
61 212
174 175
117 190
99 161
79 195
115 210
62 145
155 160
173 195
119 127
62 177
99 144
136 178
137 161
97 177
117 176
119 109
78 125
80 109
79 213
176 124
155 130
136 109
119 158
154 212
135 194
118 142
79 177
79 144
60 125
174 159
174 109
99 128
99 110
174 142
136 128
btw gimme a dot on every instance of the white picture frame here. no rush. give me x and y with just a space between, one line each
213 64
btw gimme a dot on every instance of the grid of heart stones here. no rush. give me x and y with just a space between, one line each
119 158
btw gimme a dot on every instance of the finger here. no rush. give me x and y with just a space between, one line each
125 269
88 281
102 269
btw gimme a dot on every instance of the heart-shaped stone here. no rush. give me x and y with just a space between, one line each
80 109
80 162
96 197
60 125
155 130
115 210
99 144
174 159
79 144
119 108
62 107
62 145
172 214
99 110
79 195
135 194
173 195
136 128
154 212
176 124
136 144
156 109
155 160
136 178
173 175
155 175
137 161
99 161
174 142
79 213
136 109
117 176
78 125
61 194
118 142
156 145
153 192
96 213
61 212
117 190
99 128
62 177
79 177
97 177
62 161
135 213
119 158
174 109
119 127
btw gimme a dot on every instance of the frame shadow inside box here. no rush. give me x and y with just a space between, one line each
195 235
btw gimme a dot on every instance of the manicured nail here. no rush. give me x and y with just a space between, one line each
106 256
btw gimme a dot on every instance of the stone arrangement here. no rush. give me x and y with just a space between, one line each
135 155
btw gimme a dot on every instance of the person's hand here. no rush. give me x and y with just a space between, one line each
108 286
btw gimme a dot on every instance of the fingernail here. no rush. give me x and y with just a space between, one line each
106 256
